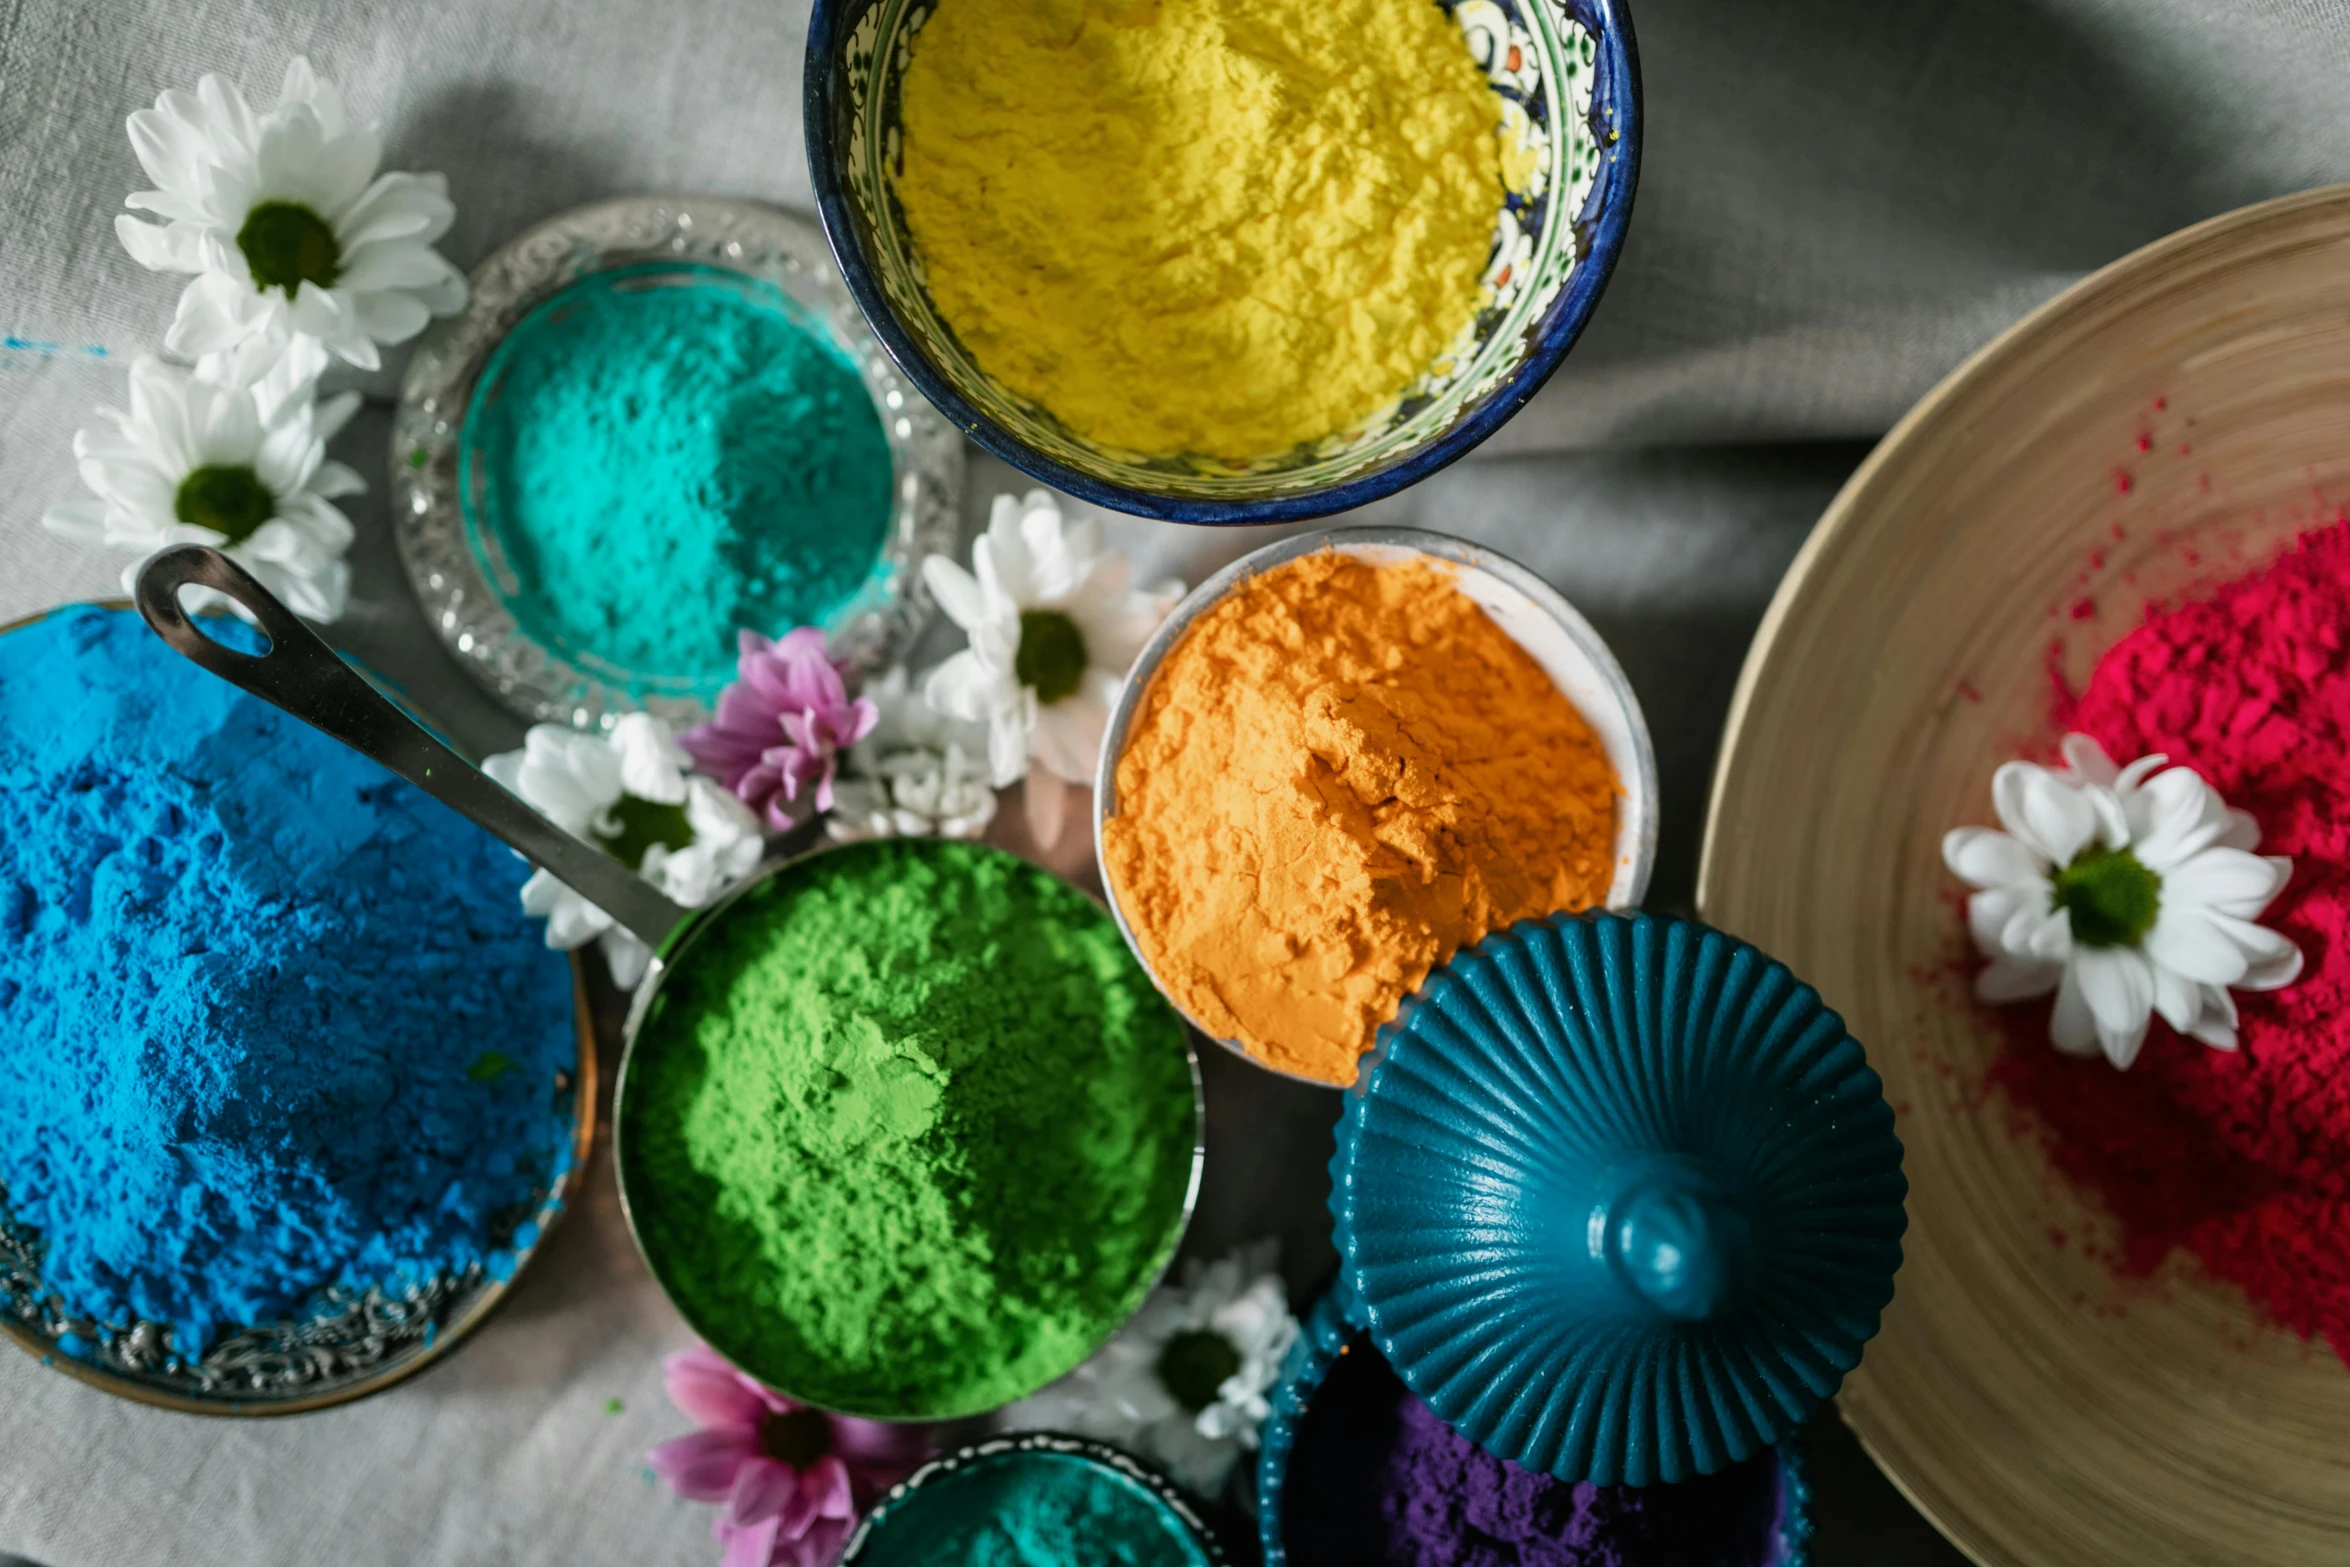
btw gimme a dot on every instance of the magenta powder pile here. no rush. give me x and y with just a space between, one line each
1377 1480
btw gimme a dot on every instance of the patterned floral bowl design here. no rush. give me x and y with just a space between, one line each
1568 78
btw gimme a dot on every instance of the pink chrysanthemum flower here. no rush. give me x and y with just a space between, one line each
781 725
792 1480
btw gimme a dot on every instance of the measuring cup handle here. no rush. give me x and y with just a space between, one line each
301 674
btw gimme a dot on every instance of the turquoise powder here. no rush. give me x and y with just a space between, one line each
1030 1509
663 454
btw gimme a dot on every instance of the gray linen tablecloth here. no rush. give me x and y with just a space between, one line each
1839 200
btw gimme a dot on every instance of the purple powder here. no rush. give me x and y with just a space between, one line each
1377 1480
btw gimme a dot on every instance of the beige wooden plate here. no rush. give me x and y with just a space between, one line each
2171 420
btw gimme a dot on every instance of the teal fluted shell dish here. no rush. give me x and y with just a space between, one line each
1721 1521
1619 1197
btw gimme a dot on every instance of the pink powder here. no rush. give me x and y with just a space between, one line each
2239 1158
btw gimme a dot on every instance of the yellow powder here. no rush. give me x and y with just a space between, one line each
1343 773
1211 226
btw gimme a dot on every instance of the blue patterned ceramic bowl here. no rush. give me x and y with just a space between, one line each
1569 78
1333 1338
1620 1198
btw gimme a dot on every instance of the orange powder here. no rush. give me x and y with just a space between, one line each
1341 775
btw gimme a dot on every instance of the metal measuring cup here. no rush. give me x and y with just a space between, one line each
301 675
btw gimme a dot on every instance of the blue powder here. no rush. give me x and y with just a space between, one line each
667 453
1031 1509
244 973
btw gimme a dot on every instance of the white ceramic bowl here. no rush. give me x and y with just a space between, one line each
1529 609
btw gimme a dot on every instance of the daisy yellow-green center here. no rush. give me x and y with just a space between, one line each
228 498
644 823
2110 898
1195 1364
1052 654
287 245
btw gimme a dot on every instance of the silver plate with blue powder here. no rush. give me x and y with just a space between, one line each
340 1342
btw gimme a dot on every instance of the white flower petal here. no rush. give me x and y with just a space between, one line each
956 590
653 766
2184 818
1007 746
2086 760
1068 735
965 688
1985 858
626 957
2118 985
2072 1027
2053 818
2007 979
2177 1000
2222 876
2190 942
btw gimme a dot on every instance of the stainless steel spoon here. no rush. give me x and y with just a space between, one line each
301 674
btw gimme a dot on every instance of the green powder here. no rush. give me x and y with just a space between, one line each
1030 1509
663 454
909 1133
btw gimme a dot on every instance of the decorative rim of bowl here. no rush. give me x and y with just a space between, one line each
1100 1455
760 242
1335 1327
667 959
1609 203
1637 803
373 1339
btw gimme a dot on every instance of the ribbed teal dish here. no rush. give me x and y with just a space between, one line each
1331 1327
1619 1197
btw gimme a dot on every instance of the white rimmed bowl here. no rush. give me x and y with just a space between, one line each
1530 610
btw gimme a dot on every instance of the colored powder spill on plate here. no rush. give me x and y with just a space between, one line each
1377 1480
663 454
2240 1158
246 977
908 1133
1030 1509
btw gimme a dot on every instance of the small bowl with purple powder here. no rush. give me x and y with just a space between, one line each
1354 1471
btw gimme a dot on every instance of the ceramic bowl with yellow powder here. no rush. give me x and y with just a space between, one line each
1343 758
1225 261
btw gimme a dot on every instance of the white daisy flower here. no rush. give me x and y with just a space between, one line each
240 467
2127 891
918 774
1054 629
285 223
1188 1380
632 793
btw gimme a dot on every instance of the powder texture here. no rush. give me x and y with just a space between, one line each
910 1132
1211 226
2242 1158
666 454
1031 1510
1377 1480
1343 773
246 979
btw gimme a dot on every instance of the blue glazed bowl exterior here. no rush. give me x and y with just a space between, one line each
1618 1197
1334 1322
1568 72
